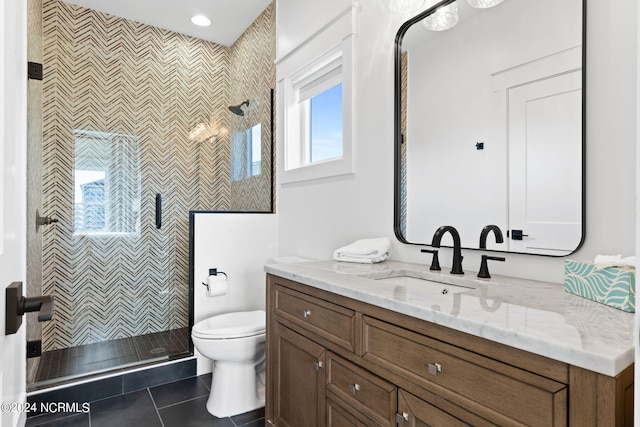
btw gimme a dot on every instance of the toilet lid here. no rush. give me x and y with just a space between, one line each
231 325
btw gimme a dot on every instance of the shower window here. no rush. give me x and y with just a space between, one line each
106 183
246 153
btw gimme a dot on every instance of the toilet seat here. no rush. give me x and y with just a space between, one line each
231 325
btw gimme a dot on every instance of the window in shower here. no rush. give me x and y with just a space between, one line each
106 183
246 153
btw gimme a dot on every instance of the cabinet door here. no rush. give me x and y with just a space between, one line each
297 386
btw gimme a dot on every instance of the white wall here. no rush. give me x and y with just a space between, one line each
239 244
317 217
294 28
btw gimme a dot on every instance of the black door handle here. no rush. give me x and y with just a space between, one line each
158 210
517 235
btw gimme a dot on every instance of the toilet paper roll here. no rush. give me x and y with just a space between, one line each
217 286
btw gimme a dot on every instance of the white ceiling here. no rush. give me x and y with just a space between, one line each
229 18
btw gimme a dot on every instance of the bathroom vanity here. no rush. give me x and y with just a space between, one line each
396 344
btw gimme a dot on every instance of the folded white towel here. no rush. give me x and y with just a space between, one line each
365 251
604 261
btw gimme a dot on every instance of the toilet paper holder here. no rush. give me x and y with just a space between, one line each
214 272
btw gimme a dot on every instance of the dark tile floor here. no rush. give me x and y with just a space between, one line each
177 404
101 356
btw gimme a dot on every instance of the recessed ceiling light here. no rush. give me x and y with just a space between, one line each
201 20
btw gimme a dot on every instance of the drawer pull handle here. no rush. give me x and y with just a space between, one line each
306 313
402 418
317 365
354 388
435 369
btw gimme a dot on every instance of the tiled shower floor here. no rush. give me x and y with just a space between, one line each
91 358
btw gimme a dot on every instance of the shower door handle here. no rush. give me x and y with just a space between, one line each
44 305
16 305
158 211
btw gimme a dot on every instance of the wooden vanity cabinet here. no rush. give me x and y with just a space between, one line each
334 361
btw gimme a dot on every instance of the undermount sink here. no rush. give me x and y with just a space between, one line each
425 282
438 288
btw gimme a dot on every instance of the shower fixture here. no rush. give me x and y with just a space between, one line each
237 109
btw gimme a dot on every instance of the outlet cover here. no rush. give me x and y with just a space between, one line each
34 348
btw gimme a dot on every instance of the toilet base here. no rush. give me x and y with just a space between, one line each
234 389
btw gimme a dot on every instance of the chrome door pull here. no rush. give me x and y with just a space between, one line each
306 313
354 388
402 418
435 369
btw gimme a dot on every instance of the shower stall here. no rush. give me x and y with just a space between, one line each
129 130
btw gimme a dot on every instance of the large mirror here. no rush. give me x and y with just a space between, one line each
489 125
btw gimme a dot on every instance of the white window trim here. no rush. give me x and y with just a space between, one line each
307 70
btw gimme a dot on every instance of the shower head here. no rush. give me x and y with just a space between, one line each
237 109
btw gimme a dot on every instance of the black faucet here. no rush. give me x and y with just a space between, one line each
435 264
484 267
485 233
457 252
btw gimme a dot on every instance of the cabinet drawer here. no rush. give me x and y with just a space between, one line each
494 390
361 390
419 412
340 416
330 321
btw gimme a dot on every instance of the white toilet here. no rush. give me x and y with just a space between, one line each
236 344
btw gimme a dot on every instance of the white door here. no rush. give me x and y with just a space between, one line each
13 86
545 194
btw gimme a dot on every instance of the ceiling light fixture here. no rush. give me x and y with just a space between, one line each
201 20
484 4
442 19
405 6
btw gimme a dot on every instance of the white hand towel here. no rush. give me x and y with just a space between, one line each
604 261
365 251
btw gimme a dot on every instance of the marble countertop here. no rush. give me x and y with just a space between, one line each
537 317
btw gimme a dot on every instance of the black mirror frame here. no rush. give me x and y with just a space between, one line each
398 137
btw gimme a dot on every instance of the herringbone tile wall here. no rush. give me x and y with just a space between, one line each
252 73
108 74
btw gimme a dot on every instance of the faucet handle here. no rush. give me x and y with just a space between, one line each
435 264
484 267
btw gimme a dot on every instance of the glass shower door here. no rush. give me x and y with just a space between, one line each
113 270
